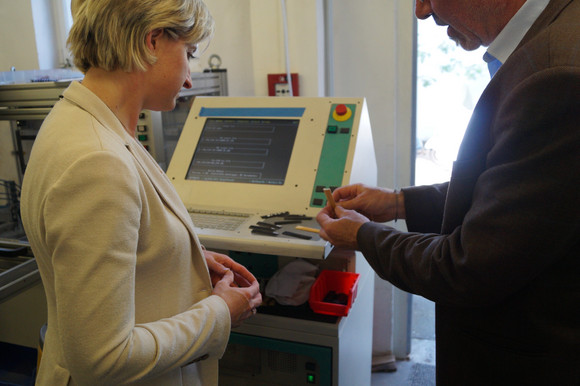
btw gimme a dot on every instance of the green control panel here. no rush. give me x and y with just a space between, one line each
331 165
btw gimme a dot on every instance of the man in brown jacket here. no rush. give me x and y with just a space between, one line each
497 247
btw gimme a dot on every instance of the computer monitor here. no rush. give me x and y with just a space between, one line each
244 150
250 160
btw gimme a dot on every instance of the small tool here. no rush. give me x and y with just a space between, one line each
268 225
329 197
297 235
307 229
284 222
263 231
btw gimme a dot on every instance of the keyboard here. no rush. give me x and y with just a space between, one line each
227 221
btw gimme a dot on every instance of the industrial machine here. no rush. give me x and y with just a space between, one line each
252 172
18 269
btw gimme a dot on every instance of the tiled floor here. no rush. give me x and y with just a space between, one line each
417 369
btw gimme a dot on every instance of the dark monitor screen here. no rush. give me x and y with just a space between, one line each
255 150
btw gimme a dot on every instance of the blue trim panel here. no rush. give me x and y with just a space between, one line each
252 112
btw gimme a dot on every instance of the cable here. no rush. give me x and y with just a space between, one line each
285 20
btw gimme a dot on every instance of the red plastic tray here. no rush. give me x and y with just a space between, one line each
339 282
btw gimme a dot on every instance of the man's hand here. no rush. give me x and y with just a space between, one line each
377 204
340 227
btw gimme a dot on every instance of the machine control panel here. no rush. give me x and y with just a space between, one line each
241 160
331 166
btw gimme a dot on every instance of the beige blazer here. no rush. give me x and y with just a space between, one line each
128 291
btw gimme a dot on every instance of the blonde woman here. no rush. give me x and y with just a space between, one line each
130 296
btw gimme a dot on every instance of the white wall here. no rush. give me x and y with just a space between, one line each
47 47
373 58
17 36
249 39
303 43
232 42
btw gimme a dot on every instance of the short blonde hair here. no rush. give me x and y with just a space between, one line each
111 34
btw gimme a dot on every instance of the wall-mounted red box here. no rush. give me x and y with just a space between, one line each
278 84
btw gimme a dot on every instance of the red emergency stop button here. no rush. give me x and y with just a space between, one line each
341 110
341 113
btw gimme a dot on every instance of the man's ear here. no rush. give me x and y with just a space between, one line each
153 38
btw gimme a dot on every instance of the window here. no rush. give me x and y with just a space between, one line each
63 21
449 83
